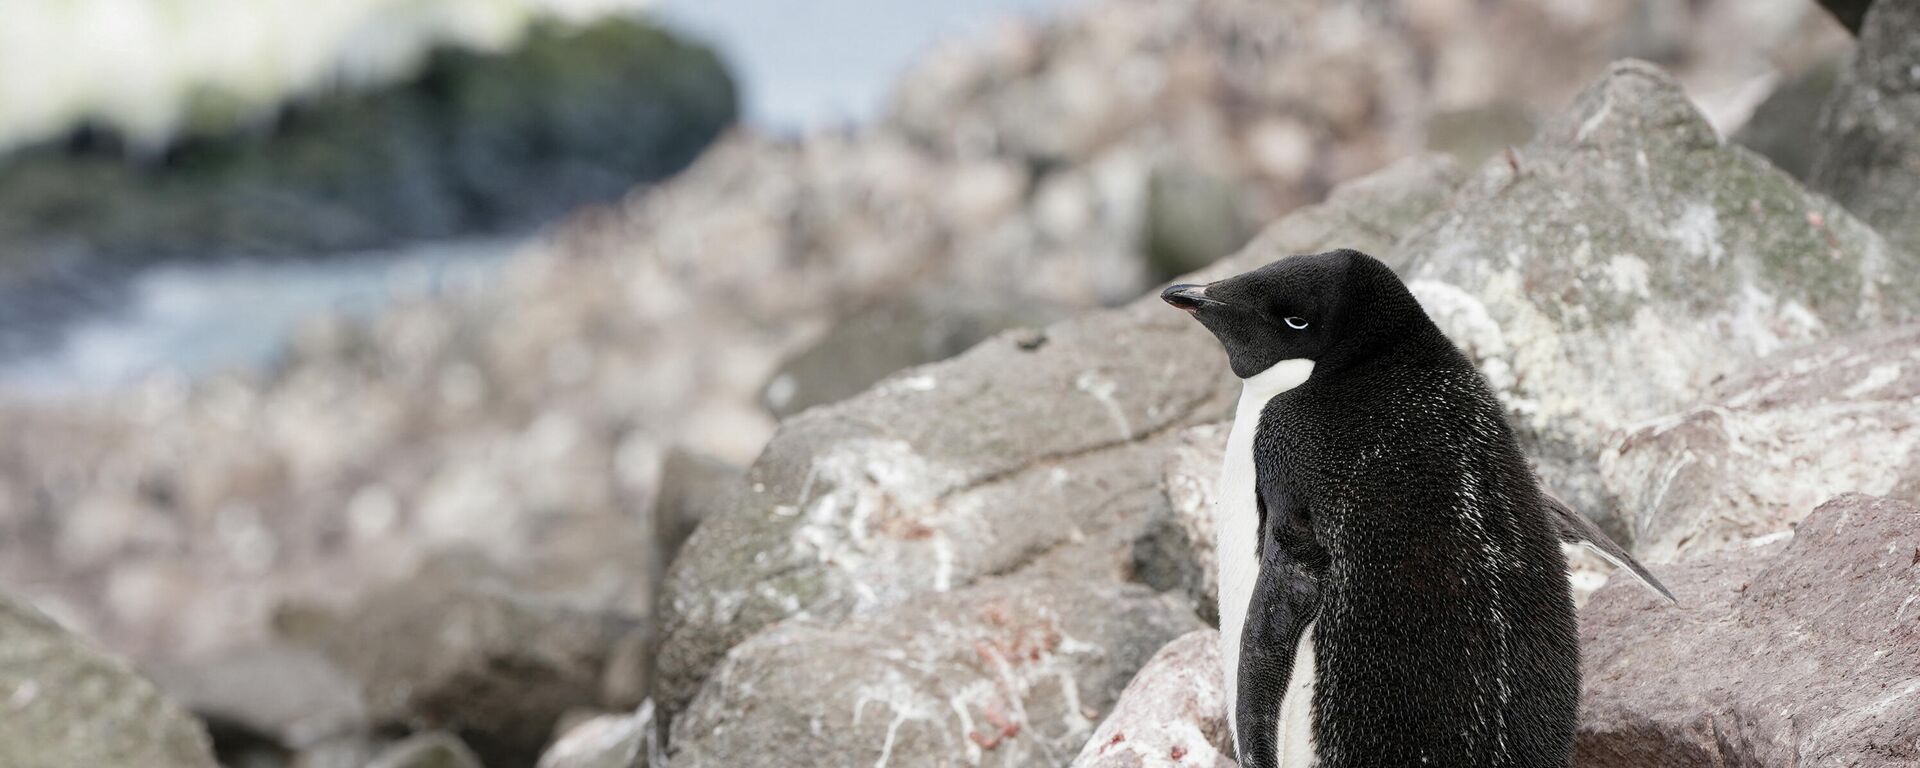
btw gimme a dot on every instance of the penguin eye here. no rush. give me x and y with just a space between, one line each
1296 323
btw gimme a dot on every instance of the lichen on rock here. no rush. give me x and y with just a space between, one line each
1616 266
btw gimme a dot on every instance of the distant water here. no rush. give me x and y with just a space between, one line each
820 63
198 318
802 63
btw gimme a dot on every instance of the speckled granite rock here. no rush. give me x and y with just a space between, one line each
1770 443
1010 672
64 704
1779 656
1174 713
1626 259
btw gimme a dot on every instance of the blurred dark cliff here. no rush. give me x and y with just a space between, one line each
473 143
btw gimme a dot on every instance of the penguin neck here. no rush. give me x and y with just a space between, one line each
1257 389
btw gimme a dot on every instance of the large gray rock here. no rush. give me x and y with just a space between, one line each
901 332
64 704
1626 259
1010 672
458 649
290 697
1029 444
1767 445
1174 713
1779 656
1779 127
1869 136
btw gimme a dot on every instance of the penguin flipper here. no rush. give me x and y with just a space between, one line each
1285 601
1575 528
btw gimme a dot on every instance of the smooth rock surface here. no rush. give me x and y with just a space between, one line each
1782 655
291 697
455 649
64 704
1869 137
1174 713
1010 672
1626 259
1769 444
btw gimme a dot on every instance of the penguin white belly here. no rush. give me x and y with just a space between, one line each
1237 522
1296 708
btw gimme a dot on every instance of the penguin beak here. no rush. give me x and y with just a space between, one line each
1187 296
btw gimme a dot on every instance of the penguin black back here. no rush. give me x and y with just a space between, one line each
1401 527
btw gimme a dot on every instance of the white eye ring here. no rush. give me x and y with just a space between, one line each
1296 323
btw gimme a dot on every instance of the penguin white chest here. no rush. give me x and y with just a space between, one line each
1237 536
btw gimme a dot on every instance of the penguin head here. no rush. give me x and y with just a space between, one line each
1333 308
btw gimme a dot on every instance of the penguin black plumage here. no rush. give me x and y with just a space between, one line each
1392 589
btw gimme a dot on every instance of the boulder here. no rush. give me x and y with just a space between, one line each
290 697
692 486
1010 672
1192 220
64 704
1782 655
1029 444
1181 545
606 741
1850 13
1174 713
1608 272
1768 444
1869 136
901 332
1780 125
427 750
455 648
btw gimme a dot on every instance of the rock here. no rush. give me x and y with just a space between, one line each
1768 444
1192 220
1191 471
1625 259
428 750
1776 656
899 333
454 649
1869 136
64 704
1009 672
1474 134
1850 13
290 697
1174 713
607 741
1779 126
693 486
1023 447
355 751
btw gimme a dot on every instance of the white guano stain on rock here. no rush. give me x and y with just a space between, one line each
1102 389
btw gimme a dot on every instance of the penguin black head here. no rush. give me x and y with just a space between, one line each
1333 308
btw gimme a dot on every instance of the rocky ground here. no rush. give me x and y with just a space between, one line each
447 529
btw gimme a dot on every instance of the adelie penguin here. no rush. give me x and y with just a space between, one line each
1392 588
